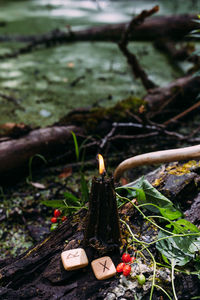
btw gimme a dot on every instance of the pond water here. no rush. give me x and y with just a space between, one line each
42 81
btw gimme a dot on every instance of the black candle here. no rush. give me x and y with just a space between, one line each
102 228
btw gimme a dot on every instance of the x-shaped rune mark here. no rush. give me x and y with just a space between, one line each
104 266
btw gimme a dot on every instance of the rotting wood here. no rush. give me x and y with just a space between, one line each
38 273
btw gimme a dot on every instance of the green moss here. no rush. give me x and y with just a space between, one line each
117 113
180 170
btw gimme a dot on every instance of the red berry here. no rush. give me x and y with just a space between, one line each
120 267
132 259
126 257
64 218
126 270
57 213
53 220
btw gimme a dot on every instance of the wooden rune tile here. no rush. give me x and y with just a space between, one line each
74 259
103 268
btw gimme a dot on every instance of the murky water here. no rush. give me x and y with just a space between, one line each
43 81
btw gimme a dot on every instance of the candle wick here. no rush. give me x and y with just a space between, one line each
103 175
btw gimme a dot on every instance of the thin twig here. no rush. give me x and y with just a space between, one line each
107 137
182 114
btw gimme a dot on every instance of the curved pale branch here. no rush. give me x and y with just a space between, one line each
157 157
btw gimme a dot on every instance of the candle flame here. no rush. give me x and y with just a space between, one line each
101 164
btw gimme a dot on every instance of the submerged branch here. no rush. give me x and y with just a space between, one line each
171 27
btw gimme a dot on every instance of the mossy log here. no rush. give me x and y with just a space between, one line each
39 274
158 104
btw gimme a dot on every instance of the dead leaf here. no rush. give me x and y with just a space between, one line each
70 65
66 173
141 109
38 185
124 181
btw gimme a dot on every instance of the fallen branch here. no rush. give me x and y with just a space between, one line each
131 58
180 93
182 114
175 27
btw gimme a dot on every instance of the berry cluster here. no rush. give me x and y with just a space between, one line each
57 216
125 266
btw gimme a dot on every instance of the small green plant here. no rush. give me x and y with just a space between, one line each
178 240
30 176
77 151
71 203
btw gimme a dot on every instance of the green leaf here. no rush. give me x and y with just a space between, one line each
75 145
71 198
146 193
170 213
183 226
171 251
152 195
54 203
195 245
141 197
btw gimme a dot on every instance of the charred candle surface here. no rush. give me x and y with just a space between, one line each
102 230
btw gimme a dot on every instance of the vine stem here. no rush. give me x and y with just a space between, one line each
178 270
159 287
172 275
145 217
153 259
156 225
